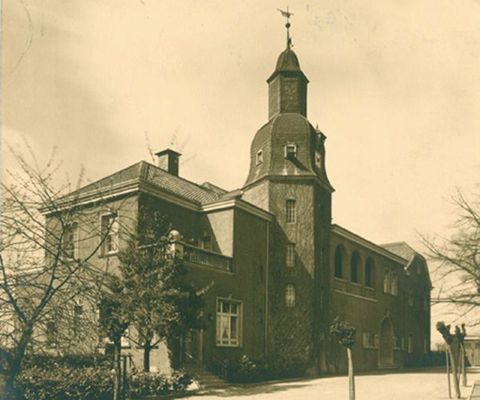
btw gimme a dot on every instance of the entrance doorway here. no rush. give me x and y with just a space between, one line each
193 348
386 343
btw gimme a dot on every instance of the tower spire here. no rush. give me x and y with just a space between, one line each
287 15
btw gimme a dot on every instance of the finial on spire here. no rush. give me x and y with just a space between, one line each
287 15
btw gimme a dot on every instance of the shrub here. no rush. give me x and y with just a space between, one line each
59 381
146 383
245 370
62 382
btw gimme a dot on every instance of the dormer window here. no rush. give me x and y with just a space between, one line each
259 157
290 150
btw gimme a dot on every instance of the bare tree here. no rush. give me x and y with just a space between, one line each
41 271
457 257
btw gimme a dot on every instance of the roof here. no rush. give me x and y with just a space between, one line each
287 62
144 172
340 230
404 250
400 248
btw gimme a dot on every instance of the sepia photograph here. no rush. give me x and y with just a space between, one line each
239 199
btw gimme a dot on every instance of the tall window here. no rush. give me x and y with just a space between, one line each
387 283
394 284
410 344
70 240
290 295
228 323
370 273
355 267
290 257
110 233
339 258
290 210
51 333
77 318
410 298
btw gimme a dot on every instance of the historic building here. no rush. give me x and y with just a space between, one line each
278 270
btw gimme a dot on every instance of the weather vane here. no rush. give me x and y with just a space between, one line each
287 14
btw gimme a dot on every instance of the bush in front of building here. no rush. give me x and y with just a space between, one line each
89 378
61 382
246 370
141 384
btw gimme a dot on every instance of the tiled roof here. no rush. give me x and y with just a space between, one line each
144 172
176 185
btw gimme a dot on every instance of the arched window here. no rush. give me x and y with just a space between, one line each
355 267
339 260
290 295
370 273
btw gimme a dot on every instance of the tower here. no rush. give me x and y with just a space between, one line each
287 177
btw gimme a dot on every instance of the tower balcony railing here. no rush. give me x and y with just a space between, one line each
207 258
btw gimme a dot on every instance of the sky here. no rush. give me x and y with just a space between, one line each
394 85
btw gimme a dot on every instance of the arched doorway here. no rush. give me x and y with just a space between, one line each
386 343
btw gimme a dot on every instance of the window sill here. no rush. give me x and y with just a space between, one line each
231 346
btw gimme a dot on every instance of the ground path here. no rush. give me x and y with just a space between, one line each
405 385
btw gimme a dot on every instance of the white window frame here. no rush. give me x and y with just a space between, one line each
290 150
225 319
290 255
290 295
113 235
291 211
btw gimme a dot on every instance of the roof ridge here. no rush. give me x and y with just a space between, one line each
177 177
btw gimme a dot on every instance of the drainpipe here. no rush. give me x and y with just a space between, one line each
267 261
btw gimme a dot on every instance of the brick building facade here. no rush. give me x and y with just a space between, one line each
277 269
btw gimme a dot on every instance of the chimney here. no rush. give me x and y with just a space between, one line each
168 160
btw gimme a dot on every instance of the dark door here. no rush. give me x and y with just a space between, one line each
386 343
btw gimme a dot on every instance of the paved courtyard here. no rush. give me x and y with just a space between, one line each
413 384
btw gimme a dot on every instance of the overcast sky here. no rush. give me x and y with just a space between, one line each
394 85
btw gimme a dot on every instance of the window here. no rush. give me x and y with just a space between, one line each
290 295
110 233
70 240
390 283
355 267
290 211
369 273
290 257
410 344
397 343
369 340
387 284
394 284
259 157
290 150
77 316
228 323
206 241
339 257
51 333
